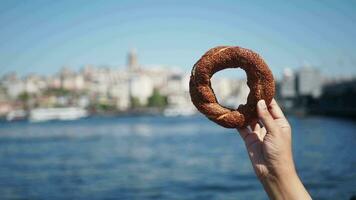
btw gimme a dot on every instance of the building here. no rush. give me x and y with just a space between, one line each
288 89
309 82
288 84
230 92
222 88
177 90
300 88
141 88
132 61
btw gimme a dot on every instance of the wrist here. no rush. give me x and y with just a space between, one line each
286 185
278 170
280 187
282 178
281 171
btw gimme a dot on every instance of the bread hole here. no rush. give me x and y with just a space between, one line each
230 87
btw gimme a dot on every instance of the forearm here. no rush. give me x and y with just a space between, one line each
287 186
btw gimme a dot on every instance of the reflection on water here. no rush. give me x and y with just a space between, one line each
163 158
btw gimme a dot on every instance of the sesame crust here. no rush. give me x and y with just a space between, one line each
259 80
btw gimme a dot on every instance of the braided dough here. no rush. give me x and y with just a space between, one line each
259 80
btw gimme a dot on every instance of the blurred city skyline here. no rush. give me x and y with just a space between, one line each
42 36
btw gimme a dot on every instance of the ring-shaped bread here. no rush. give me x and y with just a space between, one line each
259 80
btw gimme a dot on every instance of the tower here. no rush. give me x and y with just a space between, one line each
132 61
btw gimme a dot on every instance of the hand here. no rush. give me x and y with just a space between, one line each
269 147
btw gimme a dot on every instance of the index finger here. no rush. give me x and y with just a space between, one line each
275 110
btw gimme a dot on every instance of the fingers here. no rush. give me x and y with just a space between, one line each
248 136
259 130
263 133
265 116
275 110
243 132
255 126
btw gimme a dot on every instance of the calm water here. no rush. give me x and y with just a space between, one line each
163 158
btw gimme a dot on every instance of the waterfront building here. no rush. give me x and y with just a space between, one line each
141 88
288 84
132 61
288 89
309 82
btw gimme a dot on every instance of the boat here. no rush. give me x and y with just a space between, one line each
16 115
66 113
174 111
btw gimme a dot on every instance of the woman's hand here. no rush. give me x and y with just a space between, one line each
270 150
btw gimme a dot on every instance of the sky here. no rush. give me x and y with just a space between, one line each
41 36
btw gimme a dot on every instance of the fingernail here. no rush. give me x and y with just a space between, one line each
261 104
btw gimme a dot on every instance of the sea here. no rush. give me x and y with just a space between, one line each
156 157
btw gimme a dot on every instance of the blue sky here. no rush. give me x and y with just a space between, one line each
42 36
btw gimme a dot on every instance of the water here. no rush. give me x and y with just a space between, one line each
163 158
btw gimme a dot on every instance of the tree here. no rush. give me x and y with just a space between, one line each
57 92
135 102
157 100
24 97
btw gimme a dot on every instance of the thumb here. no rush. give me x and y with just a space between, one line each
266 117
